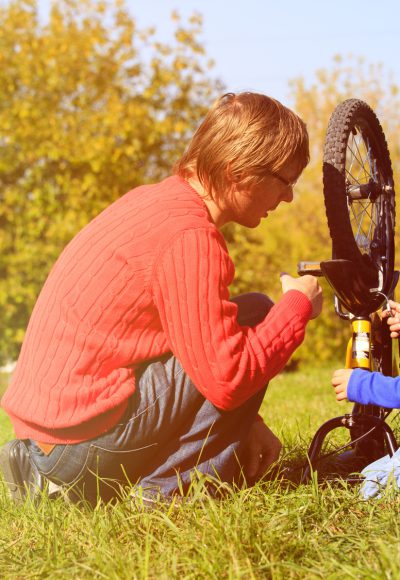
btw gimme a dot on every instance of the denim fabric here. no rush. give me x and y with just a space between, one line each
168 429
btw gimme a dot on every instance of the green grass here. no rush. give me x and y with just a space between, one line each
269 531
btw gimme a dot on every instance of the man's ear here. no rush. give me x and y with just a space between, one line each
232 180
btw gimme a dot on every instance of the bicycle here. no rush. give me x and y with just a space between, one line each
360 208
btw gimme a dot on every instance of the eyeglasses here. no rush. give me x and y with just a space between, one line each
283 180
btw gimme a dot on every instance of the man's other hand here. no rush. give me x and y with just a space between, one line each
262 449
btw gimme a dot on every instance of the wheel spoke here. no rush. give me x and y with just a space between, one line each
363 228
354 155
364 211
355 149
358 223
353 178
367 174
352 159
359 157
362 159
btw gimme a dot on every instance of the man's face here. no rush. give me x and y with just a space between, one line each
249 207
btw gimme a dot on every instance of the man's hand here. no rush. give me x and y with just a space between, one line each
262 449
340 380
309 286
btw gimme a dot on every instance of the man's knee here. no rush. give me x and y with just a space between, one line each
253 307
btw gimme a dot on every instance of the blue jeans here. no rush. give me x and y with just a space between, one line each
168 430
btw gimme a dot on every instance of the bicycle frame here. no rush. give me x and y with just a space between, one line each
360 209
358 354
370 435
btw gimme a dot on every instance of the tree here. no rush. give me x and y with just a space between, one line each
90 107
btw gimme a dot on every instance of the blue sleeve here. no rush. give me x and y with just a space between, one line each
374 389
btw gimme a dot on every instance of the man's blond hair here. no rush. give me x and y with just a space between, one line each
243 138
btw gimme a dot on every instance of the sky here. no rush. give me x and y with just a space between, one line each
260 45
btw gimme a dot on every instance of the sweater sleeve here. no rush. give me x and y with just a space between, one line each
227 363
374 389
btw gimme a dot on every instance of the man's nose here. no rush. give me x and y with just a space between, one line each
288 195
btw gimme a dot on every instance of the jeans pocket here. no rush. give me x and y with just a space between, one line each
126 466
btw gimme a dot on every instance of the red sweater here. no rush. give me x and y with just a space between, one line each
147 276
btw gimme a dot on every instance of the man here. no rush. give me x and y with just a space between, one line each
136 366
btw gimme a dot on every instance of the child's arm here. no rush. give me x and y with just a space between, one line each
361 386
366 387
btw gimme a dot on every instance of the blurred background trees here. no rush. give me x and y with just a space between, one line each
90 107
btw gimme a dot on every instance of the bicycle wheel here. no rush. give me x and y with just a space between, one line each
359 192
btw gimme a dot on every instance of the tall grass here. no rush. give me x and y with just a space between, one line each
273 530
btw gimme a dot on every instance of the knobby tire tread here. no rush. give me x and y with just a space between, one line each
348 114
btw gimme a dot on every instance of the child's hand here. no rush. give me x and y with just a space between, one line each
340 380
394 321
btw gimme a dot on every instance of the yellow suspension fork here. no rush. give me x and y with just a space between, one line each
358 354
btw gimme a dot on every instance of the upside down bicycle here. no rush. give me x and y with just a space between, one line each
360 208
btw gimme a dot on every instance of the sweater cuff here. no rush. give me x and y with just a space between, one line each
297 302
354 386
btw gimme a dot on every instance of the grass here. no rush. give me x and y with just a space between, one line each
269 531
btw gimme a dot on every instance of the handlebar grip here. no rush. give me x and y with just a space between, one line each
311 268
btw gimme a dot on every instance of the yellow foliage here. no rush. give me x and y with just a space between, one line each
90 107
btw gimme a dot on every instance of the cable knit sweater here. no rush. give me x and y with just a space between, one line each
147 276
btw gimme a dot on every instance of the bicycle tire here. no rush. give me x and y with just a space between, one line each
359 192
